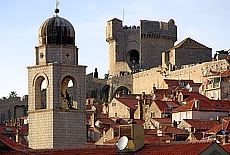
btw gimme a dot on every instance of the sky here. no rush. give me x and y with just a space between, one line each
205 21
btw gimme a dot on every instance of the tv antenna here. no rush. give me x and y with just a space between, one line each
56 9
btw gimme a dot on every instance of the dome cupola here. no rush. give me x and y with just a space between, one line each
56 31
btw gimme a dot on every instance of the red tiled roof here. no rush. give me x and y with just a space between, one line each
204 105
129 102
12 144
150 139
217 128
167 130
175 83
162 105
90 149
161 93
200 124
227 147
108 121
175 149
188 96
173 104
163 120
225 73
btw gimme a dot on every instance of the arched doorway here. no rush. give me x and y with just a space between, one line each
121 91
134 60
68 92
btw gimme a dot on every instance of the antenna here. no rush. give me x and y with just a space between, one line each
123 15
122 143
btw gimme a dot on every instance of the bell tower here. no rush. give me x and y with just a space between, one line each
56 85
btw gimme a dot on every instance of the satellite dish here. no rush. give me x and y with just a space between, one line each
153 96
187 86
97 124
122 143
204 72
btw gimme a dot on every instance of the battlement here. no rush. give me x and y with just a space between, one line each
131 27
159 29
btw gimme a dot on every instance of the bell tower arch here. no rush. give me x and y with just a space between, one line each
56 85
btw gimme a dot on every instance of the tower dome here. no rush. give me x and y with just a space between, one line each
56 31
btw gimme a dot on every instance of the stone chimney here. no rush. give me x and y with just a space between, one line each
135 135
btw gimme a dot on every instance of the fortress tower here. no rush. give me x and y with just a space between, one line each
138 47
56 84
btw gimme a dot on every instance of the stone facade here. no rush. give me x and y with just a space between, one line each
186 52
13 107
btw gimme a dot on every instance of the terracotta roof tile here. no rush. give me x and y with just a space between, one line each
227 147
225 73
204 105
129 102
12 144
175 83
219 127
150 139
167 130
163 120
90 149
175 149
188 96
200 124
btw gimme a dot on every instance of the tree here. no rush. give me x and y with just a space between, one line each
13 94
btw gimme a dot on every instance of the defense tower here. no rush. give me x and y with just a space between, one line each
138 47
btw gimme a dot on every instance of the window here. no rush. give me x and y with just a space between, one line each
152 114
115 114
114 104
8 129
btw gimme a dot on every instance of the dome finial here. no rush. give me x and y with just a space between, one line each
57 10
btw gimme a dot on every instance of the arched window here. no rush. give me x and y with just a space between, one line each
40 93
69 92
121 91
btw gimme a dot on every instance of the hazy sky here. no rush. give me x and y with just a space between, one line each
205 21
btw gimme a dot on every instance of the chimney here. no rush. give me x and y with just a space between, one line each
135 135
92 119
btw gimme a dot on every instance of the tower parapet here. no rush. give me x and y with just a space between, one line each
138 47
158 29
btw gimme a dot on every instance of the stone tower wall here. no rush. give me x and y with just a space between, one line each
58 133
192 56
156 37
60 54
149 39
